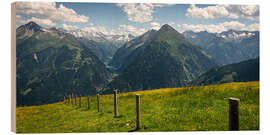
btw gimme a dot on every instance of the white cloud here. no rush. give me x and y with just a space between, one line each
209 12
97 29
47 22
69 27
244 11
155 25
235 25
253 27
20 20
229 11
49 10
129 29
218 28
171 23
122 29
139 12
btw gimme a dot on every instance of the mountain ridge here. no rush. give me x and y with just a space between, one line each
51 64
227 47
243 71
155 63
161 58
104 46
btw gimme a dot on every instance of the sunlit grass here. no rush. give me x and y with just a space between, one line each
200 108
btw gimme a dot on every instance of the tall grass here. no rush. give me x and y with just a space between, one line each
200 108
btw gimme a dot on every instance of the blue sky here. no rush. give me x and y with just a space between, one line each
111 18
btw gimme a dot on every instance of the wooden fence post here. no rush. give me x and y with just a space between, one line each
98 107
115 104
80 100
75 99
88 102
70 99
138 120
72 96
234 121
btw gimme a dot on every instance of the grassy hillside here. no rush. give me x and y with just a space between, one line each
244 71
170 109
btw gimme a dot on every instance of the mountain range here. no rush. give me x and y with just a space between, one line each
227 47
53 62
102 45
159 59
101 37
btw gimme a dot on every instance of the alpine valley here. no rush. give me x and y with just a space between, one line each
53 62
159 59
102 45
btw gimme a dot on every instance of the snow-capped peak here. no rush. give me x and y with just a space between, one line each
235 35
99 36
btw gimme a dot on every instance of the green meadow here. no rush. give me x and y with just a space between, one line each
198 108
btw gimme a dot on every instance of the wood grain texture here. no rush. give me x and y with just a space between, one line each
13 67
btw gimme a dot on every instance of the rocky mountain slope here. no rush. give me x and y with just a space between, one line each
159 59
52 63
